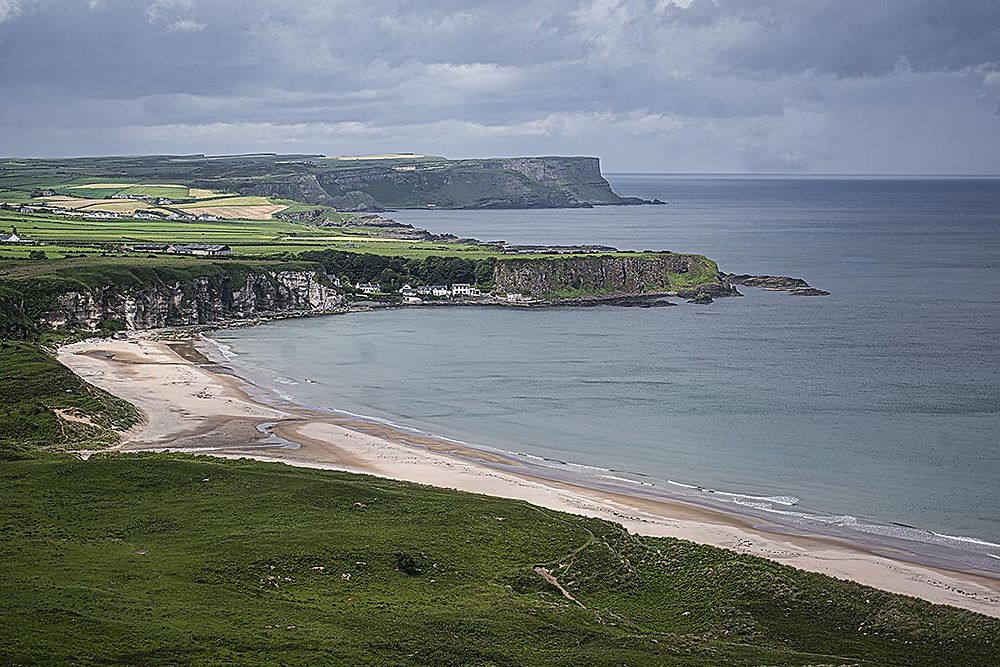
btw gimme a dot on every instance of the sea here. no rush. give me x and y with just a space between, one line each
872 413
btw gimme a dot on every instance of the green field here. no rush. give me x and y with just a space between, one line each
67 234
161 560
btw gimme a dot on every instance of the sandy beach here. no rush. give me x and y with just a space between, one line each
192 405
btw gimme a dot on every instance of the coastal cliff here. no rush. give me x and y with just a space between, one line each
202 300
623 274
145 298
360 183
535 182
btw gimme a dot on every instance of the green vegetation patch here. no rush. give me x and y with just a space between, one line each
164 559
392 272
43 405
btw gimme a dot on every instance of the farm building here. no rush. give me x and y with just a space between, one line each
12 237
200 249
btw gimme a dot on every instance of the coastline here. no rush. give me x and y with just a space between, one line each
192 405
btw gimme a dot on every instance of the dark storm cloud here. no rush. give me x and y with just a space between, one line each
831 85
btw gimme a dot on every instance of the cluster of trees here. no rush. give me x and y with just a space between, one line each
394 272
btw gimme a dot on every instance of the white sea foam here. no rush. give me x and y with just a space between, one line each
779 500
626 479
225 350
968 540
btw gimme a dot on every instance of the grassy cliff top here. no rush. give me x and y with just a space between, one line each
164 559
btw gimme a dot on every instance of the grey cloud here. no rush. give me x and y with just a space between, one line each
647 84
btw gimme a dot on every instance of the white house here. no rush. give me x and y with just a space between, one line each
424 290
368 288
10 238
464 289
407 290
440 290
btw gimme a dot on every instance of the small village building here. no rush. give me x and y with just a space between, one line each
205 217
10 238
150 247
200 249
424 290
440 290
464 289
368 288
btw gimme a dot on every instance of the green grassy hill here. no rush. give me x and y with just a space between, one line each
162 559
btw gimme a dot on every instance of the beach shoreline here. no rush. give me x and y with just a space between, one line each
190 404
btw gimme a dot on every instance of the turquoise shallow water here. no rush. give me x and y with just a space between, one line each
874 407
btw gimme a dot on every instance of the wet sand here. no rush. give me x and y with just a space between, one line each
192 405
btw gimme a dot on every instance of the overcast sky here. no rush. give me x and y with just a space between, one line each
822 86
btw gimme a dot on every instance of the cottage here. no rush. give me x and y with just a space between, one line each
424 290
407 290
368 288
464 289
440 290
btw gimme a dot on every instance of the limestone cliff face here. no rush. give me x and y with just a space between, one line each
611 274
200 300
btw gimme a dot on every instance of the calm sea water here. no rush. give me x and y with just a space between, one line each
879 403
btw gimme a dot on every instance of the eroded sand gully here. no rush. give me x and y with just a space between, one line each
194 406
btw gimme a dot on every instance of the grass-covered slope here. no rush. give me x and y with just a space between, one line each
45 406
169 560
